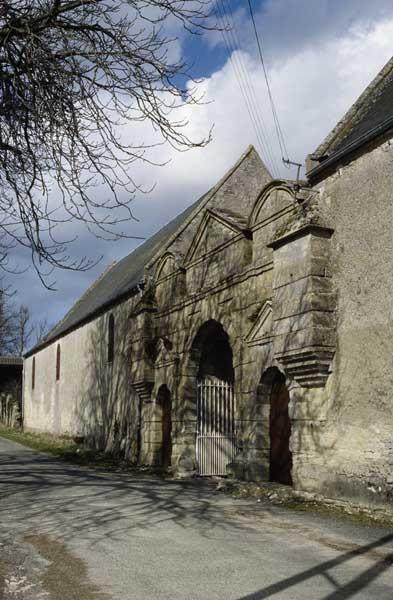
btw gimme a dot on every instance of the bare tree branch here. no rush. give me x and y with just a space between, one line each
73 74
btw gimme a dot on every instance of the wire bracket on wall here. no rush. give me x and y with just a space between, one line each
291 163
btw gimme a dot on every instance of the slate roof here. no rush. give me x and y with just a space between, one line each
117 281
120 280
367 118
378 112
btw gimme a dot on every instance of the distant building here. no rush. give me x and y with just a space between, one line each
253 333
11 372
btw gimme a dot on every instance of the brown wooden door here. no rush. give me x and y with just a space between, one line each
166 430
280 432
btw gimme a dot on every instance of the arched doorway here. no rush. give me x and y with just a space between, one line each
215 435
280 456
164 401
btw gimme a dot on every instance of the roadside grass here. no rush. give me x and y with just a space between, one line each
288 498
64 448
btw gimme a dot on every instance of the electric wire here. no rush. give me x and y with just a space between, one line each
276 120
249 84
240 75
244 85
247 100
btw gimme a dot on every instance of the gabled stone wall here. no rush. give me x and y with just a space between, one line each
300 282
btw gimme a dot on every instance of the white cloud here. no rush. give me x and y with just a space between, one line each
314 83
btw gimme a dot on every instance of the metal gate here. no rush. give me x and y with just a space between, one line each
215 440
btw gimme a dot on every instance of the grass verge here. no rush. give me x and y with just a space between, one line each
64 449
292 500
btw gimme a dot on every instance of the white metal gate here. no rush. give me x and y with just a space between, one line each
215 440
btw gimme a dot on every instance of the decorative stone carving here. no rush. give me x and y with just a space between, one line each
261 332
143 388
169 280
165 354
214 231
220 248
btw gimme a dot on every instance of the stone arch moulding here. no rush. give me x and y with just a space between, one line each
279 195
165 355
169 279
166 265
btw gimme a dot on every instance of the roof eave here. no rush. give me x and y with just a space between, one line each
353 112
345 152
91 317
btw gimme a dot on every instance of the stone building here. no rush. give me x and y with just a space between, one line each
253 333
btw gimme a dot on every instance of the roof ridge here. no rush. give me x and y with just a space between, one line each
355 112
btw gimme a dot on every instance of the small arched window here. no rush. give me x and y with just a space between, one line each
111 338
58 362
33 374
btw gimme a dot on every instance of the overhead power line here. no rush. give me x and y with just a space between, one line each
256 103
246 86
276 120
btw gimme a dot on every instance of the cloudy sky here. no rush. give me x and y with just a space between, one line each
320 55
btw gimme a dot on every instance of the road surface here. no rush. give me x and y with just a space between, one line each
68 533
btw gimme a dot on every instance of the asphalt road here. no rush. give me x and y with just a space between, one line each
72 534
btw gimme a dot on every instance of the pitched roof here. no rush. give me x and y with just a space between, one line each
115 282
120 279
367 117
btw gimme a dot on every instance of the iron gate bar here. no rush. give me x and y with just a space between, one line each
215 440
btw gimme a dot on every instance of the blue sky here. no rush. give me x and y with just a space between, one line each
320 55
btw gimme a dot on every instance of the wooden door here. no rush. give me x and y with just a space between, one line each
280 432
166 430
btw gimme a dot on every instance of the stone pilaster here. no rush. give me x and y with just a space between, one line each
303 304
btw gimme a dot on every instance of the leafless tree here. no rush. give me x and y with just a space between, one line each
23 330
41 329
6 322
73 73
17 328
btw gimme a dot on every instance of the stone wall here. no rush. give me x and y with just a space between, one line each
300 282
92 398
355 457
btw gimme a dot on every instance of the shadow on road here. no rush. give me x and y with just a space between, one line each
40 494
361 582
35 489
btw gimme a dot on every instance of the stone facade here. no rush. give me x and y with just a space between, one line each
280 289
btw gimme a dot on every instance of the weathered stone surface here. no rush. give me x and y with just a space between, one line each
299 286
